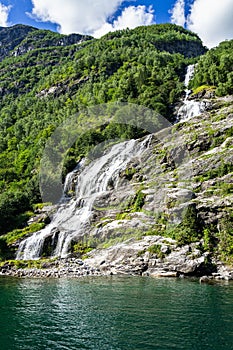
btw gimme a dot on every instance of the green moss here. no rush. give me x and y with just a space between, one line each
139 201
156 230
133 205
28 264
203 88
140 253
40 206
220 171
129 173
156 249
121 236
81 248
17 234
123 216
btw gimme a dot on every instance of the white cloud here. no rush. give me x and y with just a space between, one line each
4 13
212 20
178 13
80 16
88 16
131 17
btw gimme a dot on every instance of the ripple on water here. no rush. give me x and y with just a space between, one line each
115 313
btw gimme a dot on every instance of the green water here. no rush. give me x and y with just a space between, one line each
115 314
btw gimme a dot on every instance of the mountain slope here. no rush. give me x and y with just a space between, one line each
20 39
46 84
47 78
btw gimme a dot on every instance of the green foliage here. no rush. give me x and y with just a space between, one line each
203 88
156 249
225 238
190 229
211 238
12 207
15 235
215 68
28 264
139 201
5 252
47 77
123 216
7 241
135 204
220 171
129 173
80 248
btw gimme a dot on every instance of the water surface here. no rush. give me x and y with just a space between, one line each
115 314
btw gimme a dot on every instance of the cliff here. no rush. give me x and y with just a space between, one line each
20 39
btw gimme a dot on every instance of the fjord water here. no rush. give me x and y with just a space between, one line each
115 314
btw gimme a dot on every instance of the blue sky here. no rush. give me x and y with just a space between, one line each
210 19
20 8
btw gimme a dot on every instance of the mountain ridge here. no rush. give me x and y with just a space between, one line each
19 39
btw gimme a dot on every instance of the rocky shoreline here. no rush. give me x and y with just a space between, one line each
152 256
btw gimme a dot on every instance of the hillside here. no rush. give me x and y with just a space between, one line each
20 39
47 78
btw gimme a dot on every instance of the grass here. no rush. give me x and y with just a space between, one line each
27 264
156 249
13 236
202 88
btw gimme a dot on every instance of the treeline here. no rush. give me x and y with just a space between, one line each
215 69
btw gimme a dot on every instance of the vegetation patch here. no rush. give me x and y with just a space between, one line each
80 248
15 235
156 250
203 88
28 264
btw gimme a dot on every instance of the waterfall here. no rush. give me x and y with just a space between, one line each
72 218
189 108
70 181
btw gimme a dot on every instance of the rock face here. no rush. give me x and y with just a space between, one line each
19 39
178 187
11 37
152 256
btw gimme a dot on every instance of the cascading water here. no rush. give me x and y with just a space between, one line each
189 108
73 216
72 219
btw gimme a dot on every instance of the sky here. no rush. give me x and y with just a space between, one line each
212 20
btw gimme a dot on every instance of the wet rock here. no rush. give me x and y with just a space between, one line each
205 279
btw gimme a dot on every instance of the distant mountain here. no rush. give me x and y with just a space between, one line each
11 37
19 39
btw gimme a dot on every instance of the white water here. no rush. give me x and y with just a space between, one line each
189 108
70 181
72 219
